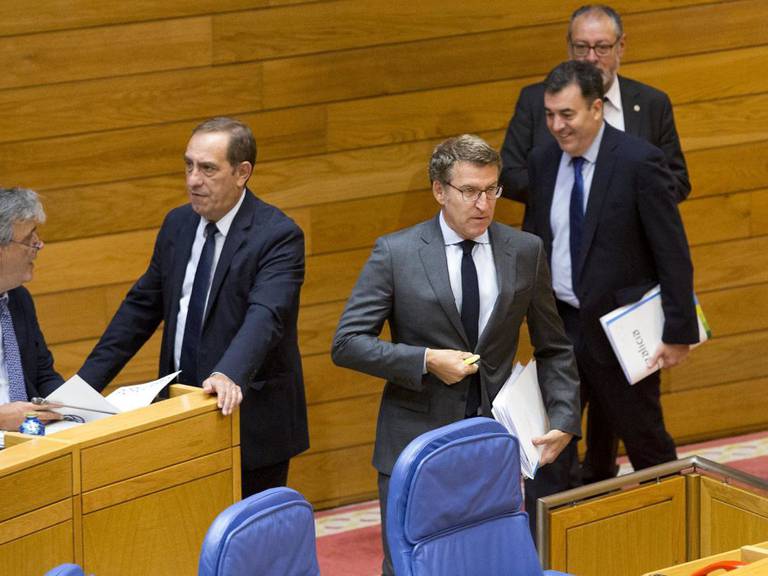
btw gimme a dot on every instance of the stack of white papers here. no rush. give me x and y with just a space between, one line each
635 331
81 403
520 408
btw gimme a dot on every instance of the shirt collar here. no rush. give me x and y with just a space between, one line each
614 94
225 222
591 154
450 236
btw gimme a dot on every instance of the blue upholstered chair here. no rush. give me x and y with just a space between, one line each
454 505
65 570
271 533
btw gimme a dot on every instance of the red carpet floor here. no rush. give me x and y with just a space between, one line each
349 538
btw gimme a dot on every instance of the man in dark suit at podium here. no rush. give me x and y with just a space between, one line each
26 364
596 35
224 279
602 201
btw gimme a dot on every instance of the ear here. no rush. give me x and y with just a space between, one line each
597 107
244 171
439 192
620 47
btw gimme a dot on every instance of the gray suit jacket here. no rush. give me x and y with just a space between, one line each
405 282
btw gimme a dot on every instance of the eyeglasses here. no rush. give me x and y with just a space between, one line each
36 245
469 194
581 49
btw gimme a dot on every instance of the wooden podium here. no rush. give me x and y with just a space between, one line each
130 494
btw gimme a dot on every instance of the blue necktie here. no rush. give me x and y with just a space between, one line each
17 391
196 309
576 220
470 317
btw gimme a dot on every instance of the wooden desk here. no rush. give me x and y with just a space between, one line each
37 518
756 556
144 485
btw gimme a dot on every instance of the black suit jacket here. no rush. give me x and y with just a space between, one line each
36 360
633 236
647 114
249 330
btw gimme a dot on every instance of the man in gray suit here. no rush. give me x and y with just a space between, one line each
449 287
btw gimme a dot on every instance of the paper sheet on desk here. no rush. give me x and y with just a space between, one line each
131 397
520 408
77 392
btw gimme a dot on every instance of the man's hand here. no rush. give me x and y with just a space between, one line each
554 442
449 366
230 395
668 355
12 414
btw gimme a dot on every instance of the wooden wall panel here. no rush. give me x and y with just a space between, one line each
20 18
724 359
347 100
126 101
98 52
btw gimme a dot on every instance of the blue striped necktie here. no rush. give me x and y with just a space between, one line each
576 221
17 391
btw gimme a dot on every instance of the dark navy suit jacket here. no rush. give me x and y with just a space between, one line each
633 236
249 330
36 360
647 114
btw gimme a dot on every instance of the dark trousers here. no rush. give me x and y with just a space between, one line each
260 479
562 474
616 410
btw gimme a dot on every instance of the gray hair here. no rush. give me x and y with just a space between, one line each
242 144
465 148
598 9
18 205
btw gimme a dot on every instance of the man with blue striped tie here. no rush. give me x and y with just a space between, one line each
26 364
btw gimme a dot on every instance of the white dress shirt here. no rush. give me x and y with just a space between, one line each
612 111
486 270
223 226
560 220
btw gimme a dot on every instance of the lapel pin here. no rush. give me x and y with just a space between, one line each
637 107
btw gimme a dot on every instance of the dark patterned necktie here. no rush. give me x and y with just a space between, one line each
196 309
17 391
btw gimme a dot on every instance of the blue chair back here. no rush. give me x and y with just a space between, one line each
271 533
65 570
454 504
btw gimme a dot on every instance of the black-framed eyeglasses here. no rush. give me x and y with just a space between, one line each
36 245
469 194
581 49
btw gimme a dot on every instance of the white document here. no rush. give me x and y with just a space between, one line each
131 397
635 332
519 406
81 403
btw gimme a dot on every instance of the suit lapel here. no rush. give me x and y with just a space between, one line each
435 264
238 233
506 277
547 191
630 106
598 191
